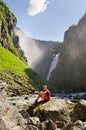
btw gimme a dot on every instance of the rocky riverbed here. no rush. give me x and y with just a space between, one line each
57 114
20 113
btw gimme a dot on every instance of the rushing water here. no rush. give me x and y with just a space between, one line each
71 96
53 65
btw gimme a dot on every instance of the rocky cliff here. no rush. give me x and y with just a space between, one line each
8 38
70 73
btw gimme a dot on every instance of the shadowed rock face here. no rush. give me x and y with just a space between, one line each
70 73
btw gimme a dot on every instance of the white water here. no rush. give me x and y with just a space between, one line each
53 65
70 96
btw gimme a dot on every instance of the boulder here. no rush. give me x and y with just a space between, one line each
59 124
79 111
55 109
10 118
47 125
77 125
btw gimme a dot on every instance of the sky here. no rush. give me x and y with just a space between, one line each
47 19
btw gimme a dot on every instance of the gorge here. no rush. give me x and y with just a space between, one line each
70 73
39 53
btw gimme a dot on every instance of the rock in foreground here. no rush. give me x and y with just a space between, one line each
55 109
79 112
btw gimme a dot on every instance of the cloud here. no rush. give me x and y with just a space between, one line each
37 6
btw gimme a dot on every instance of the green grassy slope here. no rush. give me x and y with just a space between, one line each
17 74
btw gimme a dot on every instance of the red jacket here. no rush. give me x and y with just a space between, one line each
47 95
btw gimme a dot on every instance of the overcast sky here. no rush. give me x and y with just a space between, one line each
47 19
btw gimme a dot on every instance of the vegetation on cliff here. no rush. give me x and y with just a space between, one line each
20 78
7 23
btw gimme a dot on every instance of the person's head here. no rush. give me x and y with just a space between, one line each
44 87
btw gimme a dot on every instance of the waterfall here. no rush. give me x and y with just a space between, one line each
38 52
53 65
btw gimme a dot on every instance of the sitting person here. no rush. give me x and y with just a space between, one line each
44 95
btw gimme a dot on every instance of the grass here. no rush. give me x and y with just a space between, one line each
11 62
17 74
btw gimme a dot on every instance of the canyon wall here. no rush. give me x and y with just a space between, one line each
70 73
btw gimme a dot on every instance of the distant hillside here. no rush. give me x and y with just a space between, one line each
70 73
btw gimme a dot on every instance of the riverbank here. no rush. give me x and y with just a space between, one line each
21 113
21 101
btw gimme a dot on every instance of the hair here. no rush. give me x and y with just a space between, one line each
45 86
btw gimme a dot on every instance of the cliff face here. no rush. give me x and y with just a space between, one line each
70 73
8 39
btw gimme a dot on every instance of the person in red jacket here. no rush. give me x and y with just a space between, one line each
44 94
